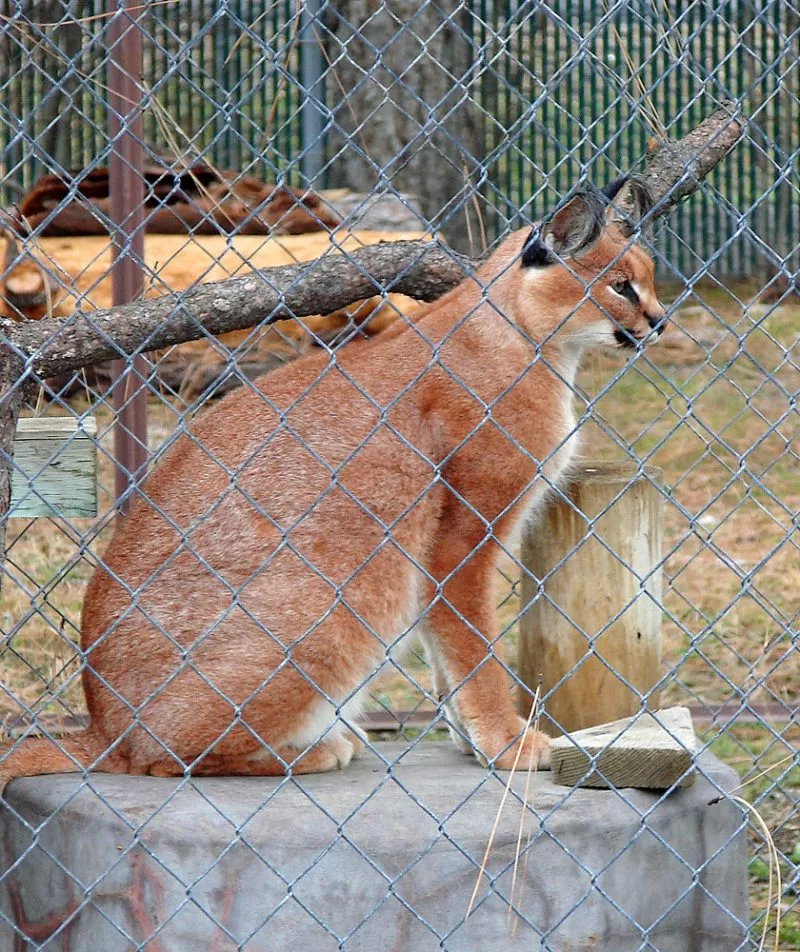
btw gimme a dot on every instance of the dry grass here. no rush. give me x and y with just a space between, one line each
752 749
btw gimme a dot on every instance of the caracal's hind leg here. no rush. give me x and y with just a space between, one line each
442 690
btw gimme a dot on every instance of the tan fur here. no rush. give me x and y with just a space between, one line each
285 546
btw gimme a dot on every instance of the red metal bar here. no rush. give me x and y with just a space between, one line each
126 184
729 714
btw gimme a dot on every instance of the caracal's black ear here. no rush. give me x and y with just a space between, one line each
568 231
629 200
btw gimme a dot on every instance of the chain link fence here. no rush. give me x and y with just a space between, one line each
261 136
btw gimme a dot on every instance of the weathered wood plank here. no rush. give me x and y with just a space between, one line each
55 468
652 751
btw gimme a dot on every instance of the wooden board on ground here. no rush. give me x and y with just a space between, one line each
651 751
55 468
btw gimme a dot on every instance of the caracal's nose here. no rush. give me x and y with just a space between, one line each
657 319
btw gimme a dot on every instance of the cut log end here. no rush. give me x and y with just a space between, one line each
25 285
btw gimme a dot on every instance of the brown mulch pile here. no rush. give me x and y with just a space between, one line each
197 200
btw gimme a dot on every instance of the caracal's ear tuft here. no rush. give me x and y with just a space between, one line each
568 231
629 200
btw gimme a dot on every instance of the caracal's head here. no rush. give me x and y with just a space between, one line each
593 285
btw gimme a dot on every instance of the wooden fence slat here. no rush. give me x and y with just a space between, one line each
55 468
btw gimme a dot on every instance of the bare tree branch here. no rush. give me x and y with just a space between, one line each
420 269
676 169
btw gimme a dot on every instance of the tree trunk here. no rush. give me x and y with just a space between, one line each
784 240
60 115
404 116
29 61
772 100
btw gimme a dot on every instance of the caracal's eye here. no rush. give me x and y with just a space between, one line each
625 289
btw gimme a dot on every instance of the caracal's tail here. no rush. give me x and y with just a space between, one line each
41 755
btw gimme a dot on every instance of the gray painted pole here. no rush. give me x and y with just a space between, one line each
312 66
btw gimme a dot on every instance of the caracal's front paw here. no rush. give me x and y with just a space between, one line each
358 740
535 750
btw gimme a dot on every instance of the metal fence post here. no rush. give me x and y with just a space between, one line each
127 213
312 65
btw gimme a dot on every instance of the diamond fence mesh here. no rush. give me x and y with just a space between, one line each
264 135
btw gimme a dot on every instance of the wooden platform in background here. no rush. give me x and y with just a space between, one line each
176 262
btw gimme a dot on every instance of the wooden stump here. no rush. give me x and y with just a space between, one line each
597 614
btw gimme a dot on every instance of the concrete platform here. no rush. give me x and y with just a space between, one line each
339 861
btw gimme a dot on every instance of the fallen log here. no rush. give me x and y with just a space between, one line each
196 199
